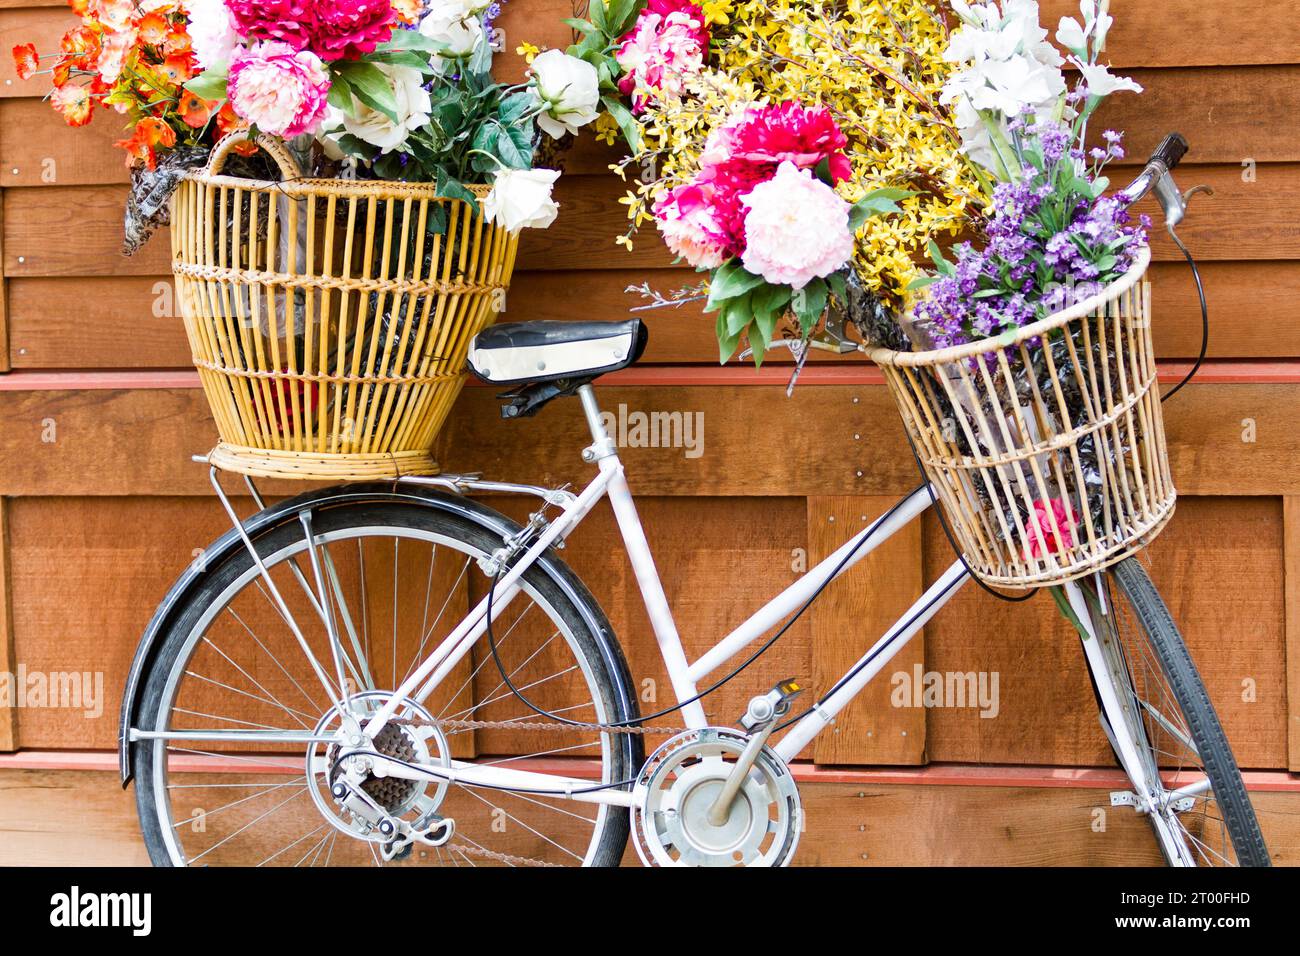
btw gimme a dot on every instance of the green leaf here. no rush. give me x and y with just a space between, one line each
879 202
839 285
514 106
370 86
726 342
414 60
597 10
809 304
920 282
515 147
340 94
436 223
451 188
1100 185
621 15
582 26
756 344
730 280
411 40
626 123
936 256
210 84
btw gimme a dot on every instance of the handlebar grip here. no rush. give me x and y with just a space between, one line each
1170 152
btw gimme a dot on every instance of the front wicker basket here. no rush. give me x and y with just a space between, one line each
1046 447
329 319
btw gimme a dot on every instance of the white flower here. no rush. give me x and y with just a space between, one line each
1072 36
372 126
212 32
457 9
1097 79
569 91
522 198
452 25
1098 23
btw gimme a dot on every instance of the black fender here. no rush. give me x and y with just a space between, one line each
487 518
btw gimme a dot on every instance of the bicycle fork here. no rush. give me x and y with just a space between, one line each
1125 730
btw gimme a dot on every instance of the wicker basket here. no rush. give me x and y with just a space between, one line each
1046 447
329 319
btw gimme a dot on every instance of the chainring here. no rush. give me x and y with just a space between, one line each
680 782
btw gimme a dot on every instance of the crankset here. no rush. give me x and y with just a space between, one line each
720 797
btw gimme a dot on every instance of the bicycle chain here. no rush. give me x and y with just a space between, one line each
506 858
529 725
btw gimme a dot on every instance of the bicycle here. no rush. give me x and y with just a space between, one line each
369 726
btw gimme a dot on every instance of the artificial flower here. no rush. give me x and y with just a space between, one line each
332 29
521 198
1099 81
74 103
1043 524
194 110
212 32
412 107
26 61
667 46
568 90
461 33
690 227
278 89
796 230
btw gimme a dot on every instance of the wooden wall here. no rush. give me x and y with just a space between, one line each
100 507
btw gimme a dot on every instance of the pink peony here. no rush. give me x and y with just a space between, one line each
347 29
332 29
1042 533
279 89
786 132
689 223
666 47
797 228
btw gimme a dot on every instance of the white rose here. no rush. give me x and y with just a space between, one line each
522 198
569 91
451 25
413 105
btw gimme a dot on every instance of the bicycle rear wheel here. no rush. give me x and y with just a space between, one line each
1188 784
397 579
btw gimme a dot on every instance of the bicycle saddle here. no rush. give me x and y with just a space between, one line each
519 353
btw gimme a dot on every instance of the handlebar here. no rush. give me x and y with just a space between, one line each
1157 177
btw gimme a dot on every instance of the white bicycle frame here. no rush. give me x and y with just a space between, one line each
686 676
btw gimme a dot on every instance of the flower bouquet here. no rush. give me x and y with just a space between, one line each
345 183
1027 379
794 152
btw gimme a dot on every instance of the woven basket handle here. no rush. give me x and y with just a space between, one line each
273 148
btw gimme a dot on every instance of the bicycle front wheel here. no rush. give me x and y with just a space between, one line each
393 579
1187 783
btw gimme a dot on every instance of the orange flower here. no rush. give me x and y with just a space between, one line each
75 103
194 110
228 121
26 60
177 68
150 132
178 40
408 11
79 7
153 28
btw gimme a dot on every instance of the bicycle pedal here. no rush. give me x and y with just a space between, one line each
766 709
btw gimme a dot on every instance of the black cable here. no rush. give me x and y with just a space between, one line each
492 644
1205 320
